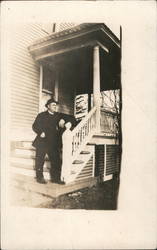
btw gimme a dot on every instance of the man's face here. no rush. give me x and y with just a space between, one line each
52 107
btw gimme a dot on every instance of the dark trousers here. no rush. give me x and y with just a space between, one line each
54 155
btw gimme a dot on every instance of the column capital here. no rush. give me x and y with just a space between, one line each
96 47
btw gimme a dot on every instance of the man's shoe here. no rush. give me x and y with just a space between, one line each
52 181
61 182
41 180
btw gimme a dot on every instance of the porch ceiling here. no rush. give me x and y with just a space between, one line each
84 35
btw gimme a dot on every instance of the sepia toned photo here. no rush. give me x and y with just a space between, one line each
65 115
78 125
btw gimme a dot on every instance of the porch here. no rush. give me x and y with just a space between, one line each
80 61
98 196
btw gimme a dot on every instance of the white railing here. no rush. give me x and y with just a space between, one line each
74 141
83 132
109 122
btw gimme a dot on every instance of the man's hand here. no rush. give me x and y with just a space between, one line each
61 123
42 135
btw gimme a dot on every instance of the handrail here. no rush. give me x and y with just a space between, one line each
82 133
74 141
83 121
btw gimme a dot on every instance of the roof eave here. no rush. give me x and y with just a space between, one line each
88 36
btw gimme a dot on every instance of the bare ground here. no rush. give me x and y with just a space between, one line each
100 197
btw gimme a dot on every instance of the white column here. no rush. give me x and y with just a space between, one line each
40 88
56 84
96 85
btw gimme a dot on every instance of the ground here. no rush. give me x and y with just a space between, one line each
102 196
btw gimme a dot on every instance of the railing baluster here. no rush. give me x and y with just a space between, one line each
109 122
72 145
79 137
74 141
88 126
83 131
86 129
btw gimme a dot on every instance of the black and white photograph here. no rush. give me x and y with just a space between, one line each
78 125
65 115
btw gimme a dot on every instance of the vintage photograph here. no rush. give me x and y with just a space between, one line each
66 138
78 125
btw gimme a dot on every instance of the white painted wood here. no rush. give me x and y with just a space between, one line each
40 88
24 152
96 85
103 47
28 172
101 139
83 139
24 75
26 161
74 142
108 177
66 154
75 169
56 90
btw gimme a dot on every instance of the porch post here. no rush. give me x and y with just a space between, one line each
96 85
56 83
40 88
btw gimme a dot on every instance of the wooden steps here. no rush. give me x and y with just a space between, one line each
23 163
23 156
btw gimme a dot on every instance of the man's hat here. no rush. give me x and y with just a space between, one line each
50 101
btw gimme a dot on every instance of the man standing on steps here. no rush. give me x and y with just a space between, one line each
48 126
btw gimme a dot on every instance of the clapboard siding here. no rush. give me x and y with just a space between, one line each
24 75
23 93
25 67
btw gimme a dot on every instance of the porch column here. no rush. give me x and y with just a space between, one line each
40 88
56 85
96 85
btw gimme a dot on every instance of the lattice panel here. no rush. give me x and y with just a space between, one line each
112 159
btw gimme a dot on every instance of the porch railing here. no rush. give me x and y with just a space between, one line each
109 122
74 141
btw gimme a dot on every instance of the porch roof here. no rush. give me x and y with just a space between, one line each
80 36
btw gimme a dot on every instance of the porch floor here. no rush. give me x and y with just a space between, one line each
101 196
51 190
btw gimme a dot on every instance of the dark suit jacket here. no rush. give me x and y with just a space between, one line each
48 124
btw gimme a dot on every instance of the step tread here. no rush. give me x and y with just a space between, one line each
27 172
78 162
85 152
25 148
91 143
13 155
27 167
